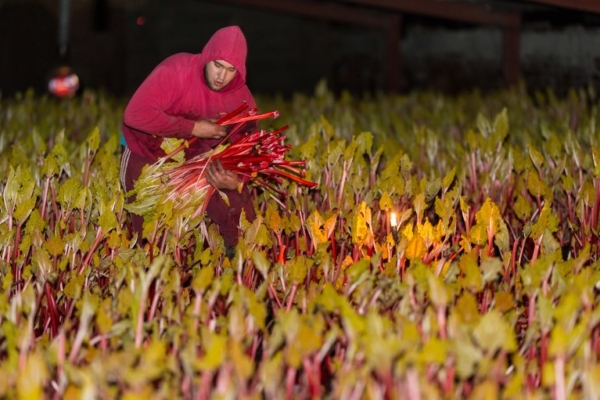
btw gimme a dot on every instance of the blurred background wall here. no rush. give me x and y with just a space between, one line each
113 45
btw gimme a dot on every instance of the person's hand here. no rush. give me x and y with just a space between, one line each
207 129
220 178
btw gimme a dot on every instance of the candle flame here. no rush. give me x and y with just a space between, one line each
393 220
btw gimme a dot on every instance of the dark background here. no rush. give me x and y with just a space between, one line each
113 45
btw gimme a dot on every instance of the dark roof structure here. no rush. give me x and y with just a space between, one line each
389 16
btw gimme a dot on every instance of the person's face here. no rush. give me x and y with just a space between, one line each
218 74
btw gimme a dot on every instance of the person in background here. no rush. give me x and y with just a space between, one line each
183 97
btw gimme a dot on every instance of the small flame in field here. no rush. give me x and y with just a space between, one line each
393 220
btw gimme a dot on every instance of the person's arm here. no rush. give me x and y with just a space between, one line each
146 111
208 129
216 175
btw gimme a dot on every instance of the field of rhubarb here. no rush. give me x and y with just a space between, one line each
448 250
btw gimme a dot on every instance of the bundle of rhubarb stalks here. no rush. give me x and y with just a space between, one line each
258 158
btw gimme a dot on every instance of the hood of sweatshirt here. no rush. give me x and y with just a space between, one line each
227 44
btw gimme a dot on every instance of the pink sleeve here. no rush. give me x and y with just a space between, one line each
146 111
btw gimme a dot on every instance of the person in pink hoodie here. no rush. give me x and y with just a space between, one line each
183 97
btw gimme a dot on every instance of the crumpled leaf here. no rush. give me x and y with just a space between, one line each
215 350
494 333
273 219
361 226
93 141
171 144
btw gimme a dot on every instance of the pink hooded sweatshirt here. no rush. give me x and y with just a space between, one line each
175 95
